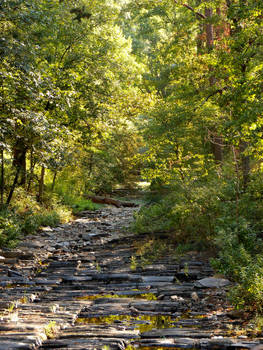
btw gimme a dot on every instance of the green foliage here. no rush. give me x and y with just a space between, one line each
94 95
212 214
81 204
9 229
240 258
26 216
32 222
152 219
179 209
51 329
69 95
72 197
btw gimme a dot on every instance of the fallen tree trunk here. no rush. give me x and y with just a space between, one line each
111 201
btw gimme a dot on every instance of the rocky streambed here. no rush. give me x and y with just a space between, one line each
75 287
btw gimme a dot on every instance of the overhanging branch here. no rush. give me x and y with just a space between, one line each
198 14
218 91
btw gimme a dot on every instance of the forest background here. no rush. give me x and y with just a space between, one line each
96 94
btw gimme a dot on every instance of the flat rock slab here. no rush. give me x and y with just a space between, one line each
87 344
14 345
124 301
150 279
99 331
212 282
176 333
117 277
156 306
76 278
182 343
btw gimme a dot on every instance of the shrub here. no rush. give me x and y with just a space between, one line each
33 221
240 259
215 213
9 229
81 204
27 216
74 200
190 211
248 292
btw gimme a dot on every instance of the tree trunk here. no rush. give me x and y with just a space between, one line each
209 30
245 164
19 153
90 164
23 176
54 181
41 185
2 178
217 148
200 42
13 187
32 167
216 141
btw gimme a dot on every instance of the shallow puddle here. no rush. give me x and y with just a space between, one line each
146 296
143 323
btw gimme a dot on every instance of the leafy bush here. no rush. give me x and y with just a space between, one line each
239 258
9 229
32 222
190 211
81 204
27 216
154 218
215 214
74 200
247 293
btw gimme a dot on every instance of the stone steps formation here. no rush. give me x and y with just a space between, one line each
82 286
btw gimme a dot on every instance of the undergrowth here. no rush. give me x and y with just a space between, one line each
216 216
74 200
26 215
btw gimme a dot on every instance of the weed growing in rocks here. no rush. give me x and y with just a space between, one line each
51 330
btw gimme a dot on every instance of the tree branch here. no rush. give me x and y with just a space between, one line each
198 14
218 91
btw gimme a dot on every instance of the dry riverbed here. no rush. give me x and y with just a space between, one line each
74 287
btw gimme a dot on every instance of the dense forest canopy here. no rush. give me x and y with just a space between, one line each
96 94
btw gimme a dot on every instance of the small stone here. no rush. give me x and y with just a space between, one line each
14 317
12 273
176 298
50 249
57 229
134 312
86 236
195 296
32 244
217 337
32 297
47 229
54 308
